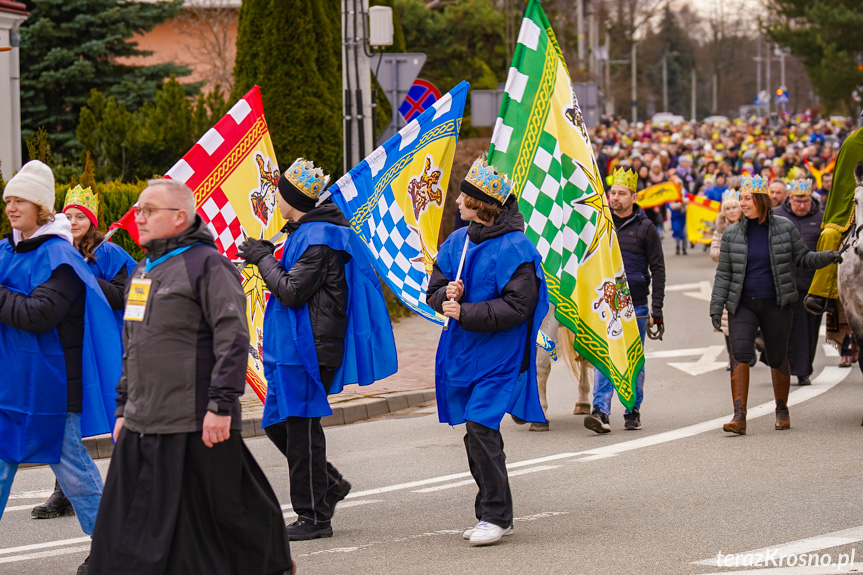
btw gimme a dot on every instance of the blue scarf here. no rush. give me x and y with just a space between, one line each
294 387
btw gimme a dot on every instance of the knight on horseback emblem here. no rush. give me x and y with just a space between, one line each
613 303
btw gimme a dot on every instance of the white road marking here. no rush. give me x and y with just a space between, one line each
19 508
665 353
702 290
345 505
829 350
801 546
471 481
705 364
825 381
807 570
31 495
43 554
44 545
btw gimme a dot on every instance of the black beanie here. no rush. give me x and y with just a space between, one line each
291 194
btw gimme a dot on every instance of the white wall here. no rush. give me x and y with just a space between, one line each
10 122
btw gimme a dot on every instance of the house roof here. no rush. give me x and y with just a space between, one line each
13 7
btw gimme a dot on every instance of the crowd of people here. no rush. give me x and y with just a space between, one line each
772 180
155 352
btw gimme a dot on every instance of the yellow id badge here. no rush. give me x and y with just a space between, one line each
136 304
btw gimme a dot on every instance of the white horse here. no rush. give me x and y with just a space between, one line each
578 366
851 268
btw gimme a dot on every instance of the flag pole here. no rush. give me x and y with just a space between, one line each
458 273
272 240
104 240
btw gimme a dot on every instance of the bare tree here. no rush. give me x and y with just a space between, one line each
211 26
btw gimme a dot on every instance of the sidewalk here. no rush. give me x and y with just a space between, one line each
416 343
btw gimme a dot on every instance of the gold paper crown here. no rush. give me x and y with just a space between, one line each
799 187
754 185
308 179
626 178
83 197
487 180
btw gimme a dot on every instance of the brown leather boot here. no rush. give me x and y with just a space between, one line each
739 394
781 385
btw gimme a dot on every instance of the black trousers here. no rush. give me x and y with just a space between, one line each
302 441
775 324
803 342
487 461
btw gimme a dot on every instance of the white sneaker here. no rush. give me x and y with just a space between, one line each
468 532
486 533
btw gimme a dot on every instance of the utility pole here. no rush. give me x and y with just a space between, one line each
782 54
580 30
356 83
758 68
715 91
693 94
665 81
634 86
769 87
608 74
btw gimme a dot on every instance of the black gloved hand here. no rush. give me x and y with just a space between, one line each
253 251
835 257
656 318
716 319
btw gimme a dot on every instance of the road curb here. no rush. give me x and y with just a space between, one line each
344 413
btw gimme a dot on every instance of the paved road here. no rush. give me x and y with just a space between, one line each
664 500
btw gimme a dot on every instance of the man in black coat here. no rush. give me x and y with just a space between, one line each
644 264
805 213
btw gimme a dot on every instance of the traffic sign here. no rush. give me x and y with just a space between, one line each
418 99
396 74
781 96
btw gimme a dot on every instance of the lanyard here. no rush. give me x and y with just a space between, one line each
148 265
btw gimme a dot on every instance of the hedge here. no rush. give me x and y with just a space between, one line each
115 200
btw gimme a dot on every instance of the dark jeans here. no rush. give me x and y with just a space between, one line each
775 324
487 461
803 342
302 441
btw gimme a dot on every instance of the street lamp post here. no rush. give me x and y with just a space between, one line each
634 86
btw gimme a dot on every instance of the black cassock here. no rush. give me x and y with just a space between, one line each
171 505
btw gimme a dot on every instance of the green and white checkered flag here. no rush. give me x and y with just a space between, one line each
541 142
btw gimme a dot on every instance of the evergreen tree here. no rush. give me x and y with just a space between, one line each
825 35
292 51
70 47
147 142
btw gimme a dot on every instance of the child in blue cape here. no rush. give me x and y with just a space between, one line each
326 325
486 359
61 348
112 266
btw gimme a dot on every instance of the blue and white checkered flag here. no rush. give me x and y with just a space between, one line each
395 198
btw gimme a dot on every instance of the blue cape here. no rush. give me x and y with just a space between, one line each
107 261
294 387
477 373
33 381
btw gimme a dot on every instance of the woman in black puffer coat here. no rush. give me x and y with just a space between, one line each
754 283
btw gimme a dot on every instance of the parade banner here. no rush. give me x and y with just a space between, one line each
659 194
233 172
395 197
701 219
818 174
540 140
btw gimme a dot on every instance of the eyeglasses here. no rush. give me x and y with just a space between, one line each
147 212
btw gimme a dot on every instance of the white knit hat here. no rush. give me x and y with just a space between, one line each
34 183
